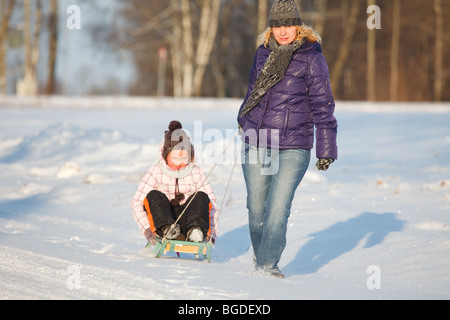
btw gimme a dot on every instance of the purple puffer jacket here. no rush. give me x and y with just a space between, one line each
297 103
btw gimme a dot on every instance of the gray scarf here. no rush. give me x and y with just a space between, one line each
274 71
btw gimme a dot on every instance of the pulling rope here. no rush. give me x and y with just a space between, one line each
202 184
228 185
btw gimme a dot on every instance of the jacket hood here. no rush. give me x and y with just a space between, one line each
306 46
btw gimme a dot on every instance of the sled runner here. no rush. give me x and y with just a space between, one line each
197 248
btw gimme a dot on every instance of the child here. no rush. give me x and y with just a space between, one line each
168 188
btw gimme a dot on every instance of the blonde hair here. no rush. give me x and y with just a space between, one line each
302 32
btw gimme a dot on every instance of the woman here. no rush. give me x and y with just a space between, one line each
289 93
166 192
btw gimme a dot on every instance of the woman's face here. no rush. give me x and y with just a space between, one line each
178 159
285 35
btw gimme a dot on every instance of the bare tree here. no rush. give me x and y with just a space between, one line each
197 52
439 48
188 48
35 51
177 59
29 85
321 8
53 45
346 43
205 61
371 60
262 17
209 23
6 9
395 49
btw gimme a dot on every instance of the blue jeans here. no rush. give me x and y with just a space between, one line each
271 187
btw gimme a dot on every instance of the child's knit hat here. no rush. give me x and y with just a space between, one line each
176 139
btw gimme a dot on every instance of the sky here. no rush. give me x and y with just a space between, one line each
82 63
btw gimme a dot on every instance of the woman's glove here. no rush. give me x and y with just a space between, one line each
151 238
324 164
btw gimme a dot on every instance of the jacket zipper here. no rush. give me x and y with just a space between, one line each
327 87
286 121
266 103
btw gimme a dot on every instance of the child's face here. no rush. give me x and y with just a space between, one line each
178 159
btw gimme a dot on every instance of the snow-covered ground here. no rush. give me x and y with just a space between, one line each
375 226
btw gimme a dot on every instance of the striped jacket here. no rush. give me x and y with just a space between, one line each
161 178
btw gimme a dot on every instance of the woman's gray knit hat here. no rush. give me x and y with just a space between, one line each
284 13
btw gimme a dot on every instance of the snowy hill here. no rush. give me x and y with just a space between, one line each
375 226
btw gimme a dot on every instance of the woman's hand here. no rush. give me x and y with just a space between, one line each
324 164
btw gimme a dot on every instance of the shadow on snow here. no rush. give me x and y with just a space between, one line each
327 245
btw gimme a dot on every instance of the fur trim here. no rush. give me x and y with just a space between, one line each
288 22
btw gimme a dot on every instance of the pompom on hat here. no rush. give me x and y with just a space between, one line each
175 125
176 139
284 13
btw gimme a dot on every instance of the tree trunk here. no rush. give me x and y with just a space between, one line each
5 15
346 43
395 48
53 46
262 18
439 48
196 58
220 68
209 23
35 42
188 48
177 58
27 37
28 86
321 8
371 60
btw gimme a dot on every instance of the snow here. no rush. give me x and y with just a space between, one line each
375 226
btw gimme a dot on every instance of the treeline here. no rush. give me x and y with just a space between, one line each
377 50
35 18
210 46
